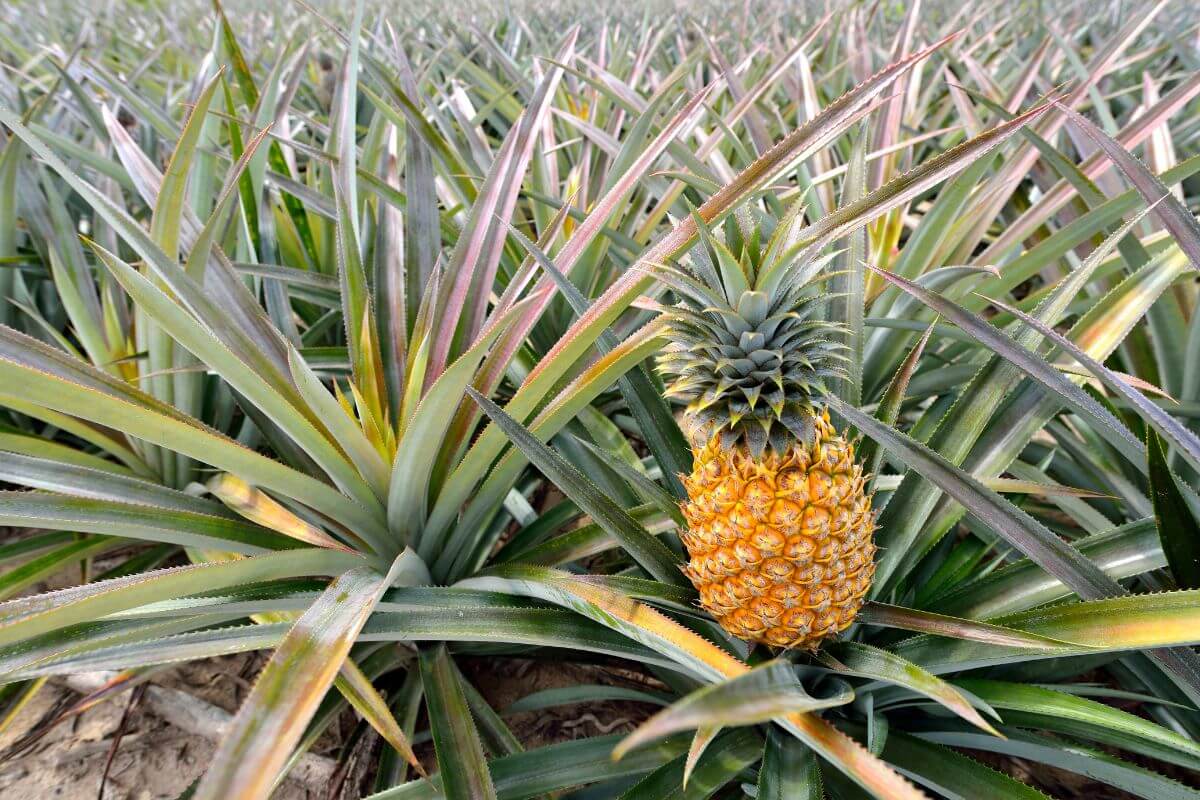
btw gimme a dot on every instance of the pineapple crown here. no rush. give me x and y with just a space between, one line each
749 349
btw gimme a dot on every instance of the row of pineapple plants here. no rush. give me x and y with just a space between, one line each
864 355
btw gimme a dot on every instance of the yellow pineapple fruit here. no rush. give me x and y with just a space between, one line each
780 527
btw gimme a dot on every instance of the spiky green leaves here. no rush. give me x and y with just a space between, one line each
749 352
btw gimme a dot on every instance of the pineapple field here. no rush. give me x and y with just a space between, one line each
760 400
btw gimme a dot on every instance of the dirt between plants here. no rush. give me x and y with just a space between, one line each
155 759
505 681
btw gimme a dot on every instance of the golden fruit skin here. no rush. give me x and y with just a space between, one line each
782 547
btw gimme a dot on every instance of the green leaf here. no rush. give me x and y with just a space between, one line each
1090 763
589 693
1135 622
1014 525
888 411
448 616
189 333
81 480
481 503
1046 709
866 661
663 437
346 431
272 719
252 337
847 286
952 774
29 616
911 619
789 770
1018 528
1031 363
64 454
493 732
1131 549
1174 215
1187 442
645 549
1177 524
551 768
75 389
417 450
767 691
728 755
472 264
693 654
905 531
908 185
649 490
462 767
149 647
138 521
168 212
361 693
34 543
47 564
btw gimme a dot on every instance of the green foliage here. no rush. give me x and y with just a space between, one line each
305 311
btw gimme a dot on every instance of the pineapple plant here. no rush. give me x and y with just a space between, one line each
779 522
233 413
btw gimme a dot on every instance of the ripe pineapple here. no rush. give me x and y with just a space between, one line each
780 526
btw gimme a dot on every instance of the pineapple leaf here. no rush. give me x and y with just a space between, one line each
1019 529
789 770
1052 710
648 551
1173 214
551 768
1165 619
463 767
767 691
911 619
1176 519
952 774
865 661
271 720
53 611
1074 757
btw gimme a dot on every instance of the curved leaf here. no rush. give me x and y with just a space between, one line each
765 692
272 719
1134 622
1078 716
461 764
645 549
863 660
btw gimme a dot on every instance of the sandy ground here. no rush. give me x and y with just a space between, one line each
155 760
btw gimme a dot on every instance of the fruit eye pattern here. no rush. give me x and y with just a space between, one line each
802 553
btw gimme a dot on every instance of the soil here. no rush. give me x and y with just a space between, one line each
155 760
504 681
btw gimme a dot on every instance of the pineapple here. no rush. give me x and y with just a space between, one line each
780 527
